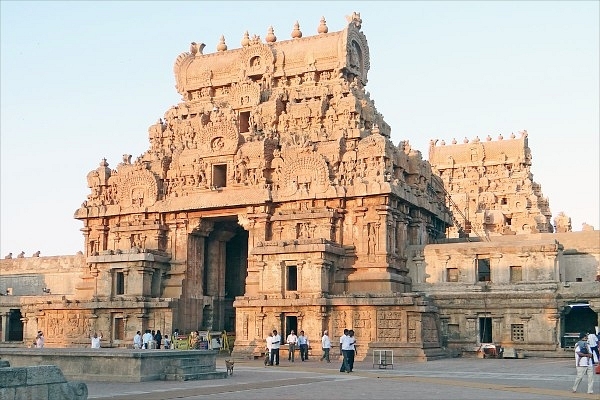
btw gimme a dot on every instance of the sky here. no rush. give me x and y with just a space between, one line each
82 81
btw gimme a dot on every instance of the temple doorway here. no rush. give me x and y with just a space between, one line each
15 326
225 264
576 318
485 330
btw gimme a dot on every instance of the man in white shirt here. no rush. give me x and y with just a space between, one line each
269 345
583 363
292 340
275 343
351 349
96 340
146 339
137 340
344 348
326 346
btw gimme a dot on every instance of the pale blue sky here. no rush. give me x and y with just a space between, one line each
83 80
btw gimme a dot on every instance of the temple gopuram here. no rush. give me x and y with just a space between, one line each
491 187
272 197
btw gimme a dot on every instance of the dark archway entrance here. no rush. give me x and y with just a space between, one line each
15 326
225 264
576 318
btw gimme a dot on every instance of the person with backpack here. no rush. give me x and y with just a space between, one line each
584 363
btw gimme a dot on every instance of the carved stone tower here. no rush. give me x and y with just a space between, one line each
271 197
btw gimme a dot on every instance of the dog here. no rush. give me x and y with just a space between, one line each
229 364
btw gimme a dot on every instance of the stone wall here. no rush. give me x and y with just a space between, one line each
532 278
110 365
40 382
30 275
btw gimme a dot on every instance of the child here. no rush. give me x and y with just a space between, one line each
167 342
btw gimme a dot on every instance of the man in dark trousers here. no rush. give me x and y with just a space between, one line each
275 343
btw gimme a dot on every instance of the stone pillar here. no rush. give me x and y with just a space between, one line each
5 326
554 319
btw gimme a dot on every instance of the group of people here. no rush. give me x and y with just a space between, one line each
347 348
586 356
151 340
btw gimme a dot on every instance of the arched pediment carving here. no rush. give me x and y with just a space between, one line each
219 139
138 187
256 59
354 46
244 95
306 174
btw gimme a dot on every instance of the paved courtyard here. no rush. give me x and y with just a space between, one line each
458 378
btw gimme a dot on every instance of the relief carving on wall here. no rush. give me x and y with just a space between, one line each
389 325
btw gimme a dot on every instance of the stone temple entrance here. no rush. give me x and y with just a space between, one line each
577 317
217 267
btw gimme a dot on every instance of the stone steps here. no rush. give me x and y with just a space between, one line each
187 369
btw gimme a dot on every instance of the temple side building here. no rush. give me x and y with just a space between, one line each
271 197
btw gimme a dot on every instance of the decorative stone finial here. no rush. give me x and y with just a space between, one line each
245 40
270 38
454 141
466 140
476 140
512 135
500 137
222 46
443 143
322 27
296 33
488 138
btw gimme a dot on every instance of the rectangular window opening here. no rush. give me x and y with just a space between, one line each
292 278
244 121
483 270
219 178
517 333
119 328
119 283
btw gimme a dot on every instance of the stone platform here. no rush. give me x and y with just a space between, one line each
121 365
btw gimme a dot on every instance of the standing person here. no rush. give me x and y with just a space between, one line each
292 340
152 343
275 343
593 342
351 349
269 345
146 338
326 346
40 341
158 337
96 340
303 344
137 340
344 347
167 342
583 363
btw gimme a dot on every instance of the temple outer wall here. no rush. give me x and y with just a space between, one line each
30 275
106 365
525 308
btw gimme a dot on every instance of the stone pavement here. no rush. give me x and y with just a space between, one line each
457 378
